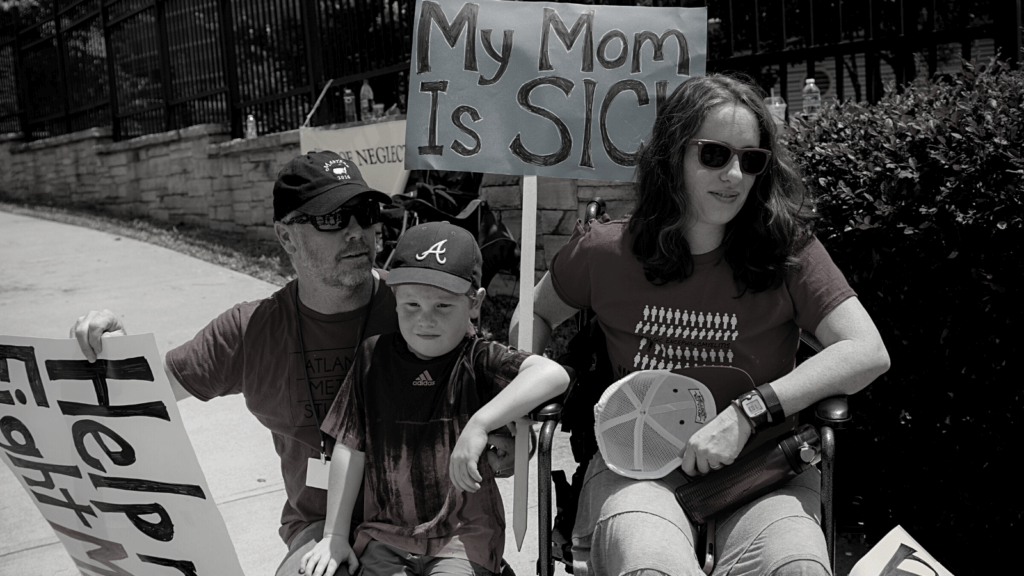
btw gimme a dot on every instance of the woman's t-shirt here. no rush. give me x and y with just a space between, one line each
701 326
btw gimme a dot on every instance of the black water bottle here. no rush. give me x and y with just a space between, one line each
759 472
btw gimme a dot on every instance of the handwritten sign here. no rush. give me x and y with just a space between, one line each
531 88
101 450
378 149
898 554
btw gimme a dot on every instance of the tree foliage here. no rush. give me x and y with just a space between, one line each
920 197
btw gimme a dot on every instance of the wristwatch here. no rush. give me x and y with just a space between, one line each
752 406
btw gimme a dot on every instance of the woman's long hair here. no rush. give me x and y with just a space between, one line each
774 222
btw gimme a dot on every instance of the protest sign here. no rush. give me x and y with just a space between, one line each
377 148
101 450
898 554
531 88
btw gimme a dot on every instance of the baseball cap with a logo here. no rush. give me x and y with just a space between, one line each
644 421
437 254
318 183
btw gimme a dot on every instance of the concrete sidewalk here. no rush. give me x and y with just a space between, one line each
53 273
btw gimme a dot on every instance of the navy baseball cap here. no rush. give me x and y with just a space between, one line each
319 183
437 254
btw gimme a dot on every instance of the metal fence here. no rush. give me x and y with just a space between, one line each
147 66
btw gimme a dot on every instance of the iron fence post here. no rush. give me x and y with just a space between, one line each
62 68
314 56
165 61
115 120
227 35
19 78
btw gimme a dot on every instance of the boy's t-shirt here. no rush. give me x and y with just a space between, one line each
406 414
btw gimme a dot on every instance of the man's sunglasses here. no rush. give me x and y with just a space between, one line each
713 154
366 213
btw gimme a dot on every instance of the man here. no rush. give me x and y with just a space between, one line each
289 353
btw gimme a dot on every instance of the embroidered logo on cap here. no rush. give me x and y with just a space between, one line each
423 379
437 250
339 168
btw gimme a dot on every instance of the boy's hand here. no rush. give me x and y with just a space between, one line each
323 559
462 469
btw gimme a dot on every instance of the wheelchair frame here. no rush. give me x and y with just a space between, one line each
830 413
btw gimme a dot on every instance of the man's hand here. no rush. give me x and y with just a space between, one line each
462 469
328 554
716 444
92 328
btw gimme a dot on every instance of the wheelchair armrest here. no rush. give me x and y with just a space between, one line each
833 412
552 409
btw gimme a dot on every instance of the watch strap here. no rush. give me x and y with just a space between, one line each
771 401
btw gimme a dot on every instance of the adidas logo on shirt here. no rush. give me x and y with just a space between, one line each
423 379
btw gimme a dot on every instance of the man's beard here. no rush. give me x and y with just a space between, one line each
351 278
341 271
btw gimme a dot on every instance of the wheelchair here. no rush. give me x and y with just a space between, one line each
830 414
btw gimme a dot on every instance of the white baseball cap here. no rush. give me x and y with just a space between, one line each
643 421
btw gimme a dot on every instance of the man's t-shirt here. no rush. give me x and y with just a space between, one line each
406 414
700 327
253 349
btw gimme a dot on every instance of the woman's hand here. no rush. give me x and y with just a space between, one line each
463 469
716 444
328 554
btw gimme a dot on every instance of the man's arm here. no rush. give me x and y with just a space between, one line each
539 379
91 329
343 484
548 312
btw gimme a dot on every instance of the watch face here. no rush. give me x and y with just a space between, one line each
754 406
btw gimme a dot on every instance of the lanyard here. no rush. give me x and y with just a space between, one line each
302 347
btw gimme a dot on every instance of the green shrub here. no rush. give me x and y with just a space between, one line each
920 198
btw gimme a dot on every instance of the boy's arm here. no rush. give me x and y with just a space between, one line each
342 489
539 379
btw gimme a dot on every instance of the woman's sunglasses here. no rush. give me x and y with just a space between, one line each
713 154
366 213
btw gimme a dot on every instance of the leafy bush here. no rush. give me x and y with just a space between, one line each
920 198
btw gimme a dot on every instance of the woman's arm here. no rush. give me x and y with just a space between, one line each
548 312
853 356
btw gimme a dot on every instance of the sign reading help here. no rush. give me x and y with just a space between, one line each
101 450
529 88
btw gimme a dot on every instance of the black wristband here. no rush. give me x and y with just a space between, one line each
771 401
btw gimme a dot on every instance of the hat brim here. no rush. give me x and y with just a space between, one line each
430 277
336 197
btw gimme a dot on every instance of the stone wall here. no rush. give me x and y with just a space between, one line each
196 175
199 176
560 203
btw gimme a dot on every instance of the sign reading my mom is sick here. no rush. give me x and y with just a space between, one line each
101 450
531 88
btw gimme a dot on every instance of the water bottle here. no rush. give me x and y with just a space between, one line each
366 100
250 127
812 100
762 470
350 105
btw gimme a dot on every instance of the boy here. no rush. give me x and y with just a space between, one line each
412 417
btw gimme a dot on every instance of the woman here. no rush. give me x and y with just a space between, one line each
720 252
